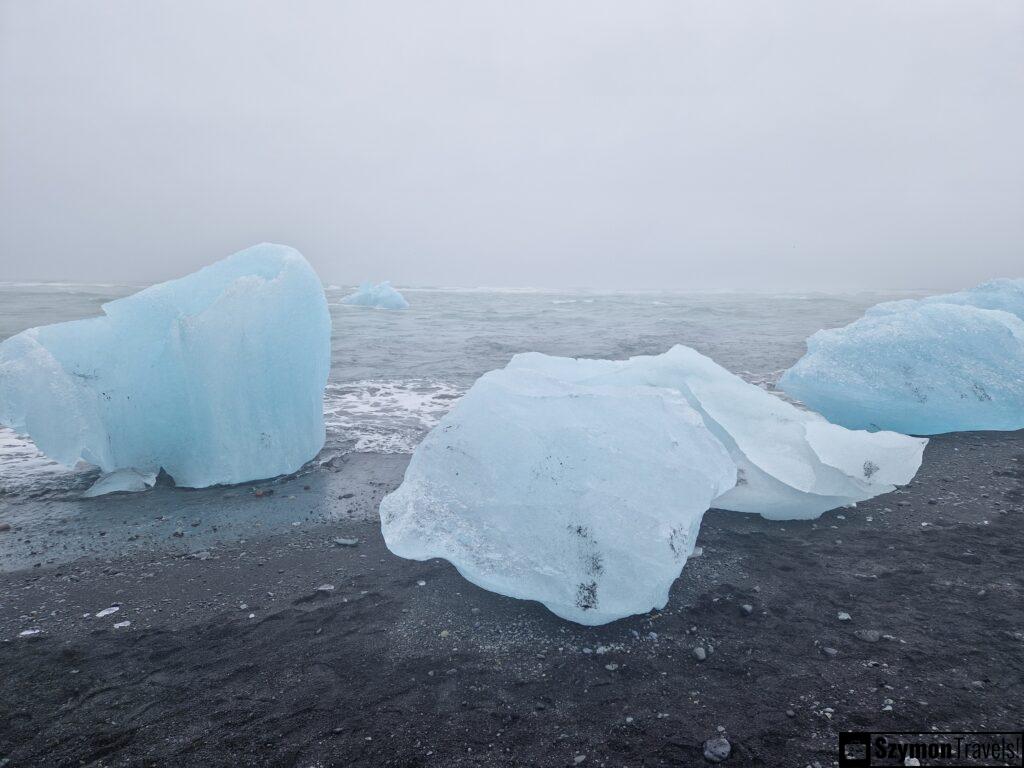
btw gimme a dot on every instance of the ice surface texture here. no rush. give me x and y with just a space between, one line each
582 483
381 295
586 498
943 364
217 377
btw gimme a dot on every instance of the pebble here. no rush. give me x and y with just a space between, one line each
611 667
790 713
421 583
844 616
868 635
325 588
4 527
746 609
699 653
107 611
343 542
829 651
716 750
29 632
578 759
122 624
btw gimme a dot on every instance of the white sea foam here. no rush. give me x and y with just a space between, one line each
387 416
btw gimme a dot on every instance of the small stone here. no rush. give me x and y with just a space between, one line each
716 750
697 552
611 667
790 713
340 541
843 616
421 583
4 527
107 611
325 588
29 632
868 635
444 633
699 653
830 652
746 609
578 759
122 624
178 534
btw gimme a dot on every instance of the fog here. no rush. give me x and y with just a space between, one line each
679 145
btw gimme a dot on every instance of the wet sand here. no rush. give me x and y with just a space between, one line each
233 657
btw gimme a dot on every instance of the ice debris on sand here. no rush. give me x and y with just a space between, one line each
381 295
582 483
586 498
946 363
216 377
122 480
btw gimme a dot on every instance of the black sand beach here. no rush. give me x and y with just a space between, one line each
234 657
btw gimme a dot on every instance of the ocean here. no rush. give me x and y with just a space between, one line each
394 374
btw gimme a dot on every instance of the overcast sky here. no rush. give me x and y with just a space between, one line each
640 144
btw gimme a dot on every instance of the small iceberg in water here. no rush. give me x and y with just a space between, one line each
582 483
217 377
947 363
382 296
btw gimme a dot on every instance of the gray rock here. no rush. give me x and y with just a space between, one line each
699 653
325 588
746 609
830 652
343 542
868 635
4 527
716 750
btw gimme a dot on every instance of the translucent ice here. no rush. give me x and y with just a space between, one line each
791 463
586 498
582 483
123 480
217 377
943 364
381 295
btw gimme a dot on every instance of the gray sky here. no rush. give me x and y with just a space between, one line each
641 144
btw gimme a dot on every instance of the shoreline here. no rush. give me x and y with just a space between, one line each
383 671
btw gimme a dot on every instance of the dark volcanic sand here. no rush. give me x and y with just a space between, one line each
386 670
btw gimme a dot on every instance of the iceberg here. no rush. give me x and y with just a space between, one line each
216 377
381 295
946 363
582 483
585 498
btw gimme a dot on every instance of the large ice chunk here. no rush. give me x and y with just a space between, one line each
586 498
944 364
381 295
791 463
581 483
217 377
